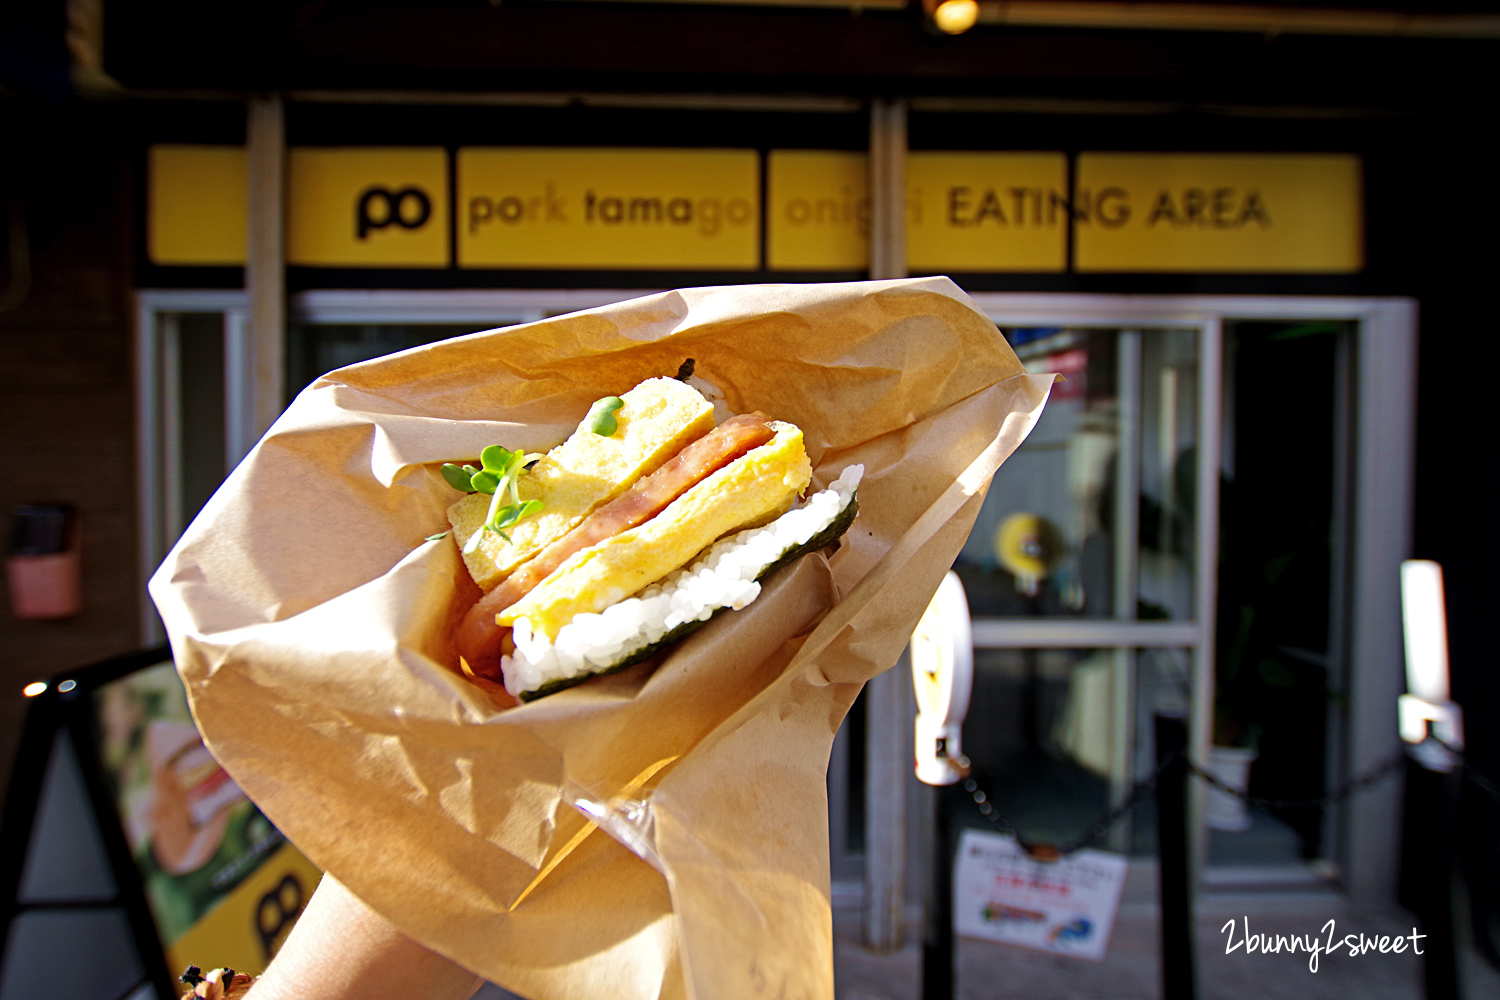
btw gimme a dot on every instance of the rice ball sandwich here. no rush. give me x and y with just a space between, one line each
633 532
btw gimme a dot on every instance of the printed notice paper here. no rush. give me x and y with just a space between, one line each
1066 907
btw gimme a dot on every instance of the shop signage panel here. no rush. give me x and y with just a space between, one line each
1229 212
986 212
250 924
219 879
196 205
818 217
696 209
1066 907
357 207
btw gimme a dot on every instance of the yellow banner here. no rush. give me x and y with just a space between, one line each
699 210
196 205
986 212
368 207
1229 212
250 924
696 209
819 211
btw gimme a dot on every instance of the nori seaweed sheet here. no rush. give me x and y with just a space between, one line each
821 540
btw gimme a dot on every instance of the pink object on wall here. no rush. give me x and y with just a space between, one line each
42 573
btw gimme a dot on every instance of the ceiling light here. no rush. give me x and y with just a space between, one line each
952 17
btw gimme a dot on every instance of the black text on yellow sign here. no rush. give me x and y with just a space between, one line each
818 212
247 927
1224 212
385 207
699 210
964 211
346 207
986 212
688 209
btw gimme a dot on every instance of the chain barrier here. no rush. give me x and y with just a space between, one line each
1097 830
1042 851
1376 774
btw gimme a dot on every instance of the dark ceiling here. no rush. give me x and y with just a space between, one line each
472 45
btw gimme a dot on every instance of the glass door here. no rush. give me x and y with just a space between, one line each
1084 573
1207 520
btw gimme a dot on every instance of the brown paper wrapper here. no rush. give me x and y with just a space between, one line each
311 621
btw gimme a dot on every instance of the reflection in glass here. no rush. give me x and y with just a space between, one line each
1037 735
1093 516
1042 542
1168 472
1056 736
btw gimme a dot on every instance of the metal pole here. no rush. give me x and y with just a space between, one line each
1176 890
937 929
1434 782
887 758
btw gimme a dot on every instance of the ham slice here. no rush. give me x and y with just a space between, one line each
480 639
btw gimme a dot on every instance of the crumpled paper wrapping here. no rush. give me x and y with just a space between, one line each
311 620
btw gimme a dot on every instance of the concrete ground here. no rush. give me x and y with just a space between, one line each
1130 971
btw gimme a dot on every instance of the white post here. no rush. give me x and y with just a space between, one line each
265 262
887 701
887 189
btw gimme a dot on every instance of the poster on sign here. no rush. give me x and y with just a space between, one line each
1066 907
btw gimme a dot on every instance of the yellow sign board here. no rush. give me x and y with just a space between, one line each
687 209
248 926
1225 212
196 205
354 207
696 209
986 212
818 212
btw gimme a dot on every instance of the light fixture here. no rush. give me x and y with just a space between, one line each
1426 709
34 688
951 17
1422 609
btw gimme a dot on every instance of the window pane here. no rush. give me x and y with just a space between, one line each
1038 735
200 400
1056 735
1043 542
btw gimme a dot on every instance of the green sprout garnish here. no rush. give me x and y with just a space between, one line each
459 477
437 537
499 470
601 419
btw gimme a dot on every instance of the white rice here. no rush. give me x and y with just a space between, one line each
722 577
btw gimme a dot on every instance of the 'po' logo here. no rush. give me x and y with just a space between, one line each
379 207
277 911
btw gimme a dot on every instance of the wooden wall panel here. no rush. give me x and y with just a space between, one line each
67 427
